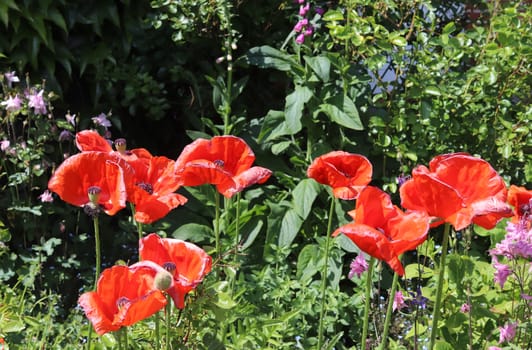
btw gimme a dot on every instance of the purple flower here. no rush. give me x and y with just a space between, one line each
398 301
308 31
320 11
502 272
300 39
66 135
465 308
102 120
494 348
401 179
507 332
4 145
35 101
358 266
12 104
303 9
46 197
71 118
418 299
11 77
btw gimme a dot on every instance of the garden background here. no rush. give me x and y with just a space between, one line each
399 82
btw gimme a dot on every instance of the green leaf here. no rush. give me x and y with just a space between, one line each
320 65
342 110
290 226
449 28
55 16
399 41
442 345
268 57
418 271
193 232
307 262
278 148
294 108
273 126
433 90
303 196
333 15
251 229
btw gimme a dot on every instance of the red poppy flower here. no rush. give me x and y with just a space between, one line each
346 173
90 140
520 198
124 295
459 189
224 161
81 172
153 189
188 263
382 230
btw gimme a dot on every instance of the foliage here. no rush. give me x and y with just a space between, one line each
399 82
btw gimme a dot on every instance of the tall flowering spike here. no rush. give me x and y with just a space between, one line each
187 262
459 189
153 189
346 173
124 295
224 161
382 230
85 171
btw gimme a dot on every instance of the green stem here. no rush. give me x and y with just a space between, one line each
387 320
217 225
367 296
167 320
324 273
439 290
97 248
157 332
119 338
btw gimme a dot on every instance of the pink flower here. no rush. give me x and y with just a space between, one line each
12 104
320 11
308 31
46 197
398 301
11 77
304 9
507 332
102 120
300 39
36 101
71 118
502 272
358 266
465 308
300 25
66 135
494 348
4 145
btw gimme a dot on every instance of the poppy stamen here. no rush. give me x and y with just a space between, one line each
219 163
122 301
170 267
146 187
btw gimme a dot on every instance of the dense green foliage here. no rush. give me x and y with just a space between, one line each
397 81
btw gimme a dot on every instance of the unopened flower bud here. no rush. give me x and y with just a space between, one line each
163 280
121 145
94 194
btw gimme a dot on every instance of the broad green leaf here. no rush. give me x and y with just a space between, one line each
307 262
279 147
193 232
295 102
268 57
55 16
303 196
251 230
418 271
333 15
442 345
399 41
273 126
342 110
320 65
290 226
433 90
449 28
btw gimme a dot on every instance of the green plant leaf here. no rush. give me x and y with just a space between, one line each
268 57
303 196
193 232
294 108
290 226
342 110
320 65
307 262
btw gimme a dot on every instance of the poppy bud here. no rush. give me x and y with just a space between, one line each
163 280
94 194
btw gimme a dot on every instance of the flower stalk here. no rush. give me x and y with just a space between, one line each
367 302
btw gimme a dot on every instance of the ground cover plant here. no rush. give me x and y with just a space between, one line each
265 175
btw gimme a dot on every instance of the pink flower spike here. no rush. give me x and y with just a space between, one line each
358 266
304 9
502 272
46 197
300 39
36 102
465 308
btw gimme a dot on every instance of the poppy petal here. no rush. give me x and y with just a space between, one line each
154 208
90 140
97 314
254 175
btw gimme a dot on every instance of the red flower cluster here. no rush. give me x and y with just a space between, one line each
101 178
456 188
150 182
128 294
